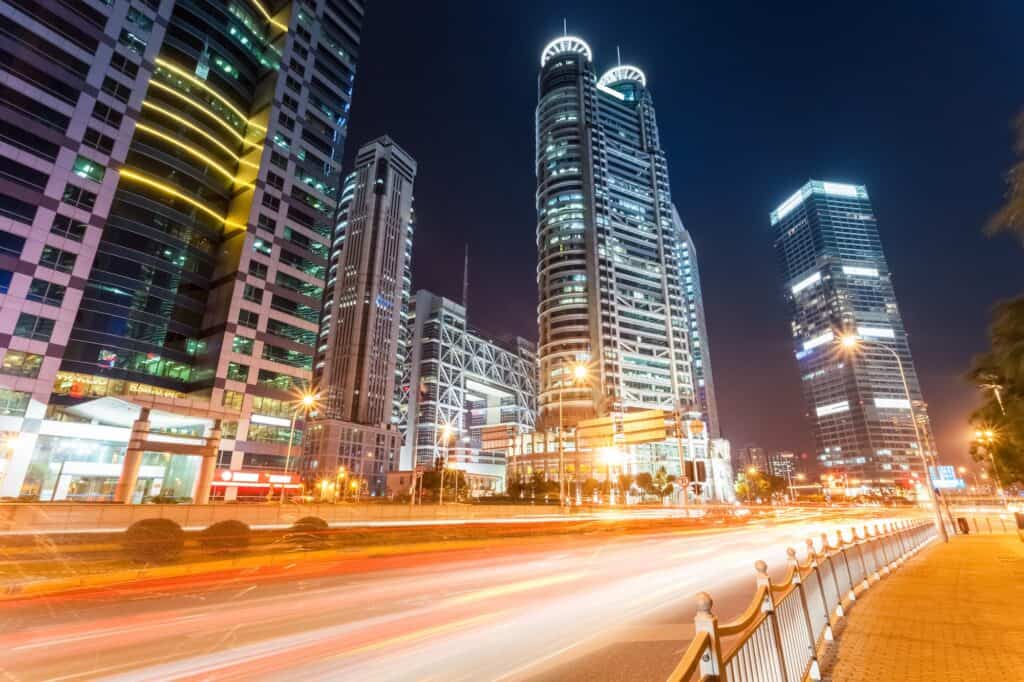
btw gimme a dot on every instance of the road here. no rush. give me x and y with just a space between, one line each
595 607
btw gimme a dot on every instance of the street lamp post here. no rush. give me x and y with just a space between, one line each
579 373
446 432
851 342
305 404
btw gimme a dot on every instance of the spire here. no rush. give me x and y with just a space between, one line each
565 27
618 54
465 279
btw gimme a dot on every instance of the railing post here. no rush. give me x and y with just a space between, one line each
705 621
846 560
870 544
881 543
815 671
821 589
860 553
898 532
768 607
835 579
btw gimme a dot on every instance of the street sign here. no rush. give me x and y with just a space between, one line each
945 478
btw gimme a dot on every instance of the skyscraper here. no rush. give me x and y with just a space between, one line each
172 171
363 320
609 270
610 274
838 282
700 345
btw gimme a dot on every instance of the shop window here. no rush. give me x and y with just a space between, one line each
13 403
21 364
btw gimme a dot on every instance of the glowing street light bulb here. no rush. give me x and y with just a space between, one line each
849 341
579 372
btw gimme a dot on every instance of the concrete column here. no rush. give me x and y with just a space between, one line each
12 478
133 459
208 465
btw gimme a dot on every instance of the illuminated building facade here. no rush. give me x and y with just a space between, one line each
700 345
363 324
171 180
609 271
477 387
838 282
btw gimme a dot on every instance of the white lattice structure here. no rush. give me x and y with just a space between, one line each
458 378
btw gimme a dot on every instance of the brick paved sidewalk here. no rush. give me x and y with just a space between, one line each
954 612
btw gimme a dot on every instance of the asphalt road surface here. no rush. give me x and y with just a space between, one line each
578 607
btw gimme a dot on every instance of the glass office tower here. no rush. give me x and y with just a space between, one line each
188 211
609 271
838 283
700 344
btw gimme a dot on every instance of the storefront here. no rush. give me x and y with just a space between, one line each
254 486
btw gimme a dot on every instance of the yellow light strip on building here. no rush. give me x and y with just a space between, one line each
171 191
193 127
185 98
266 15
189 149
200 84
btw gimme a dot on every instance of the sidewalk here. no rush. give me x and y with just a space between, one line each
955 612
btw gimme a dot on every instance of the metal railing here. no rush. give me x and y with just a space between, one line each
778 637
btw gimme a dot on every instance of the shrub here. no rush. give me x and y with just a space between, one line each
309 532
226 536
154 540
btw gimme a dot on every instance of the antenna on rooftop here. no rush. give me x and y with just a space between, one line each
465 279
618 54
565 26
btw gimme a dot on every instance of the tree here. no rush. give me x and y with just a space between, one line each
432 483
999 374
1010 217
645 481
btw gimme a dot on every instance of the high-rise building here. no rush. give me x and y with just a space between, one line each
752 457
468 386
610 269
362 326
700 346
838 282
171 172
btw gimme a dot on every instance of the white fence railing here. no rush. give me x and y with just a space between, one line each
778 637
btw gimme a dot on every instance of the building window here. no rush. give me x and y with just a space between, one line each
32 327
56 259
42 291
104 114
251 293
257 269
238 372
11 244
260 245
229 429
98 141
78 197
116 90
5 281
69 229
247 318
21 364
267 223
232 399
241 345
13 403
88 169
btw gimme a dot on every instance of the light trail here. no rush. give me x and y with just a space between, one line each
507 611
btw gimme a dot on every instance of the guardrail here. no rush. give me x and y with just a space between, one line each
984 522
778 637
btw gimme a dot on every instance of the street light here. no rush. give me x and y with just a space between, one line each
306 403
851 342
446 434
579 373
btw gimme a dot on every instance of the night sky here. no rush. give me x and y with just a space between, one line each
913 99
